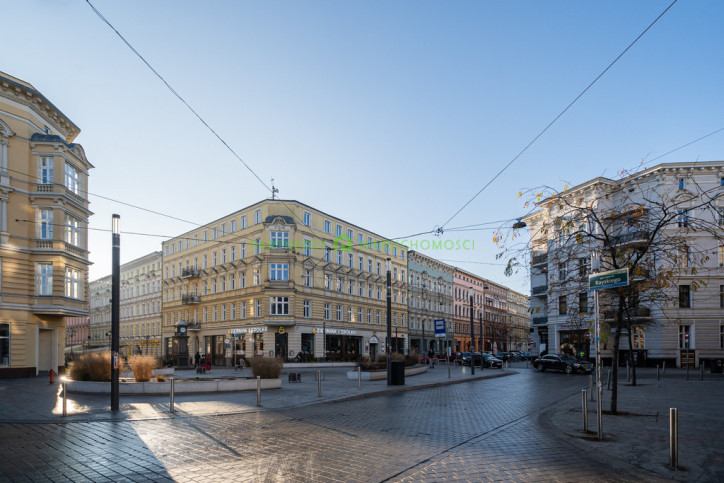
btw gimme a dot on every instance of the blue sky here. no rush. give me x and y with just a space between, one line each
390 115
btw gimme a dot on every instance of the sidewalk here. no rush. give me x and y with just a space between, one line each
36 401
639 435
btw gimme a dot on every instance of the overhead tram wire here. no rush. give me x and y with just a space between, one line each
558 116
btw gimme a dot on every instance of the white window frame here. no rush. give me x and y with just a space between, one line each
44 277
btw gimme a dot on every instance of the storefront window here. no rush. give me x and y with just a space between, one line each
4 345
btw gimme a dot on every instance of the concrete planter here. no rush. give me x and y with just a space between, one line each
165 371
382 374
187 386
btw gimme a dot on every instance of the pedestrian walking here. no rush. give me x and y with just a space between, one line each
197 359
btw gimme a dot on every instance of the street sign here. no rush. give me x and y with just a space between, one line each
611 279
439 327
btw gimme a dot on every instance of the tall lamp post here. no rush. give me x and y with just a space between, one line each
482 347
388 267
472 336
115 310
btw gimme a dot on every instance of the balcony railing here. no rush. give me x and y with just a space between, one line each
539 259
540 320
638 312
629 238
190 273
190 299
539 290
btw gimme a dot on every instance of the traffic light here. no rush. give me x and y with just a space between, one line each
686 339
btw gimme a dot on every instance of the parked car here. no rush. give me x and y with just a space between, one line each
562 362
465 358
492 361
504 356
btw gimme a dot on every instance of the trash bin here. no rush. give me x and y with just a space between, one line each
397 376
717 366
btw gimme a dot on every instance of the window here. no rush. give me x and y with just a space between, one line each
257 246
279 305
684 296
379 293
257 217
361 289
369 316
583 267
339 257
232 282
562 272
307 218
683 219
72 283
360 240
223 255
233 252
307 309
583 302
233 311
379 268
638 338
214 233
279 271
369 265
350 235
307 248
242 311
45 224
327 227
361 263
257 308
204 288
72 179
327 312
378 317
359 315
326 251
72 231
243 250
562 305
721 215
350 260
721 255
45 170
232 227
721 296
213 285
280 239
204 236
340 284
223 312
213 313
214 261
338 230
339 312
256 277
4 345
222 279
327 282
350 287
307 278
242 222
223 229
44 278
242 280
685 341
682 184
204 262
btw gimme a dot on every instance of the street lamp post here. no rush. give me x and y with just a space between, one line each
388 266
472 336
482 347
115 310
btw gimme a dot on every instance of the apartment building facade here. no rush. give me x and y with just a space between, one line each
430 288
673 216
100 313
44 213
140 306
281 278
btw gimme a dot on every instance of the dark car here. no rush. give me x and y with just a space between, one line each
504 356
492 361
465 358
567 364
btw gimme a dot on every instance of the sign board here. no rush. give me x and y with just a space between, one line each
440 328
611 279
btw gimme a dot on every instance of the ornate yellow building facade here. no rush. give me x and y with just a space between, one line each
280 278
44 214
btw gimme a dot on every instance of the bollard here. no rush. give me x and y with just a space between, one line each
65 398
258 391
687 370
319 383
628 373
701 370
658 376
171 408
590 385
674 438
608 380
359 377
584 410
600 413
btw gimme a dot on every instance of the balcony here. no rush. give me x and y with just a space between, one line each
632 238
61 246
190 273
190 299
636 313
278 283
541 259
60 189
540 290
540 320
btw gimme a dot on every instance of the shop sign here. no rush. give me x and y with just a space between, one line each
336 331
374 340
248 330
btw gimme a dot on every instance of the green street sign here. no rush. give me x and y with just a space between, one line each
614 278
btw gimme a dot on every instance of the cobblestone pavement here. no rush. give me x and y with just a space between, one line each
494 429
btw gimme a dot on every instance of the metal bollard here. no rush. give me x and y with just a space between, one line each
701 370
65 398
584 409
600 413
608 380
674 438
171 408
628 373
258 391
590 384
359 377
319 383
658 376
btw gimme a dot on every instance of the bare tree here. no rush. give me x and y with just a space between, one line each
661 227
